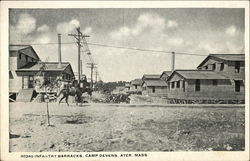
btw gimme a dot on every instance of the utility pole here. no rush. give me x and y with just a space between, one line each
81 68
79 36
173 61
92 66
96 76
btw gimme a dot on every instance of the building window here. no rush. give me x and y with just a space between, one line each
215 82
237 86
20 56
26 58
172 84
183 85
178 84
197 85
153 89
213 66
237 67
221 66
135 86
206 67
11 75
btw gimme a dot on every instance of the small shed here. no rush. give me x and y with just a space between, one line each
154 88
136 86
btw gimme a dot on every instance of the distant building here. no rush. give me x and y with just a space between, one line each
154 88
164 76
127 86
153 85
150 77
136 86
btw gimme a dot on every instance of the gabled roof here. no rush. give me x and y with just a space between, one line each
151 76
136 82
49 66
155 83
24 49
168 73
17 47
198 74
225 57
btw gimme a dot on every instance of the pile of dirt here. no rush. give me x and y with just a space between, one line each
117 98
140 99
109 98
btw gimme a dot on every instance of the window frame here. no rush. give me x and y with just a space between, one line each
197 85
215 82
222 66
178 84
237 85
172 85
153 89
237 66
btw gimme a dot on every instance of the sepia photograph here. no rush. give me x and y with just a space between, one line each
97 81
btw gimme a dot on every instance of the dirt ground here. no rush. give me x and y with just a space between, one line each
103 127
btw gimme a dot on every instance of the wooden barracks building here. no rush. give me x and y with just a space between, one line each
219 77
25 70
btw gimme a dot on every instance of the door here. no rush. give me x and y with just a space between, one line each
31 79
25 82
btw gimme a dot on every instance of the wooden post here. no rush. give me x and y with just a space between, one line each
48 113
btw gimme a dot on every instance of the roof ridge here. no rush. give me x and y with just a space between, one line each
193 70
55 62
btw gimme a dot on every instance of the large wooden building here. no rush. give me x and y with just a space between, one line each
219 77
26 68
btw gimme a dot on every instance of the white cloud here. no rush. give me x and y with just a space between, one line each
43 28
152 23
231 31
175 41
87 30
121 33
234 48
26 24
172 24
23 29
75 22
67 27
45 38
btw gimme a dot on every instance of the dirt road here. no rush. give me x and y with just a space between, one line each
100 127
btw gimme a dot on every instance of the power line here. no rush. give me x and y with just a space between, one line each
122 47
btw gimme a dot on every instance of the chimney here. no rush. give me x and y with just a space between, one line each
59 52
173 61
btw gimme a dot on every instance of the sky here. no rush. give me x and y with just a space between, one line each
197 31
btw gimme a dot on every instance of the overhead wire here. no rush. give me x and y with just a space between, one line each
123 47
